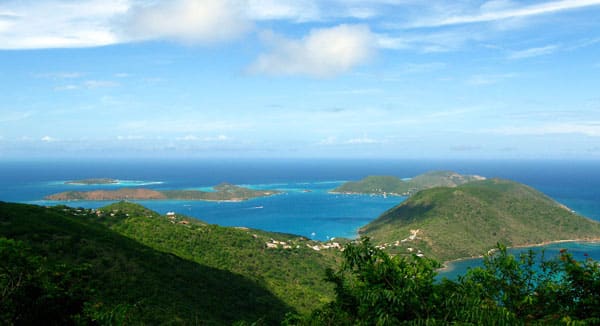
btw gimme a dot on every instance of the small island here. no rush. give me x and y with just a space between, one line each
390 185
221 192
93 181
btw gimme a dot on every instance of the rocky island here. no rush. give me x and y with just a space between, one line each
94 181
391 185
222 192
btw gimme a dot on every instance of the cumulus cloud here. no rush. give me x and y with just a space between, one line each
189 21
323 52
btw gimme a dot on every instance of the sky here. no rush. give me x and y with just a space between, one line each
460 79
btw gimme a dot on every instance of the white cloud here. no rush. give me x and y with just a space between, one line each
479 80
60 75
362 140
100 83
322 53
495 11
189 21
58 23
70 87
12 116
297 10
48 139
219 138
533 52
328 141
131 137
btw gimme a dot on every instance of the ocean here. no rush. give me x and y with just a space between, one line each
306 207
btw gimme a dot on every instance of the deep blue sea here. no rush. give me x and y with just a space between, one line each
305 208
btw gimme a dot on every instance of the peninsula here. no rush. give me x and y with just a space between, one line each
94 181
447 223
391 185
222 192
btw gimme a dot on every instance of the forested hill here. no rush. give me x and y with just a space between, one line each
448 223
125 264
396 186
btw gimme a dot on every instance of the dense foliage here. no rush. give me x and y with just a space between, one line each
62 265
470 219
373 288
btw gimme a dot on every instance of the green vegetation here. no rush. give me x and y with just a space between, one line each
222 192
373 288
95 181
465 221
127 264
396 186
294 274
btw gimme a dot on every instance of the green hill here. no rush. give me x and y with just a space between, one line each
449 223
396 186
127 264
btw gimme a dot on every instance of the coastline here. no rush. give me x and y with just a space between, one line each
446 267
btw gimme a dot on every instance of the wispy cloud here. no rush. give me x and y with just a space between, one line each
324 52
533 52
591 129
88 84
482 79
12 115
219 138
490 14
60 75
296 10
56 24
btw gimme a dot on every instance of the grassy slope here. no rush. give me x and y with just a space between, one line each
175 273
295 276
470 219
391 184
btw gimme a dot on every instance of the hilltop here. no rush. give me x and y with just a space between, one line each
449 223
127 264
395 186
221 192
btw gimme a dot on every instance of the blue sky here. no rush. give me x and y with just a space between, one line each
300 78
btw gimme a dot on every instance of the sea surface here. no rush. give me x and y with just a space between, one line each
306 207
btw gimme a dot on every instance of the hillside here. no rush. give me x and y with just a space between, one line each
468 220
127 264
396 186
222 192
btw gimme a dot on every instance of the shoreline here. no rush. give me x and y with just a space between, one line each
446 267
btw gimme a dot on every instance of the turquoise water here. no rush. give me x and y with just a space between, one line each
579 250
305 208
